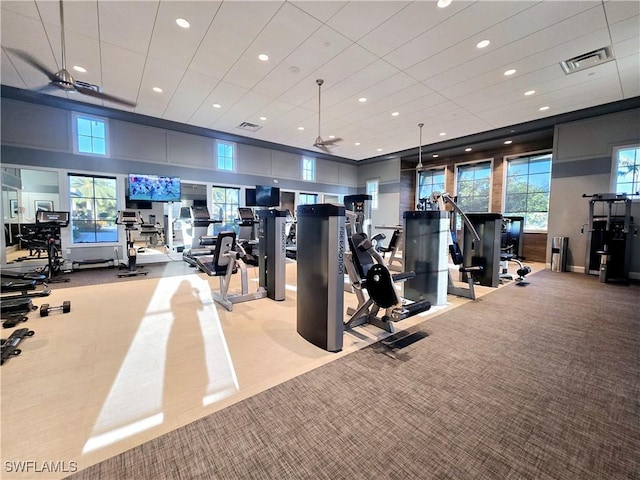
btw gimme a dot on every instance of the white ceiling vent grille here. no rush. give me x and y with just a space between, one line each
587 60
251 127
90 86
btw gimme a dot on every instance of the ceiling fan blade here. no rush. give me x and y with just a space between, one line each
34 62
104 96
332 141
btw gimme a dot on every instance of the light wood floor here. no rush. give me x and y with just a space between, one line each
137 359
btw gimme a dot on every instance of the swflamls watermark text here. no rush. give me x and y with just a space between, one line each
35 466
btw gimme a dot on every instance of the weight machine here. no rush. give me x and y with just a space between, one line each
608 244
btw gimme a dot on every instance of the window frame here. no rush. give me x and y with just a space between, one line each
613 182
441 168
300 202
483 160
227 223
234 157
375 196
506 160
93 199
305 170
75 116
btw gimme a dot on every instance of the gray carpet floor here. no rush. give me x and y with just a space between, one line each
529 382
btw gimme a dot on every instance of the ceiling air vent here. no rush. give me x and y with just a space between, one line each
90 86
251 127
587 60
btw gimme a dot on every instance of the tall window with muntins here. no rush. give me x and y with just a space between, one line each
372 189
430 181
473 187
308 198
627 170
93 209
91 135
527 189
309 169
225 203
226 155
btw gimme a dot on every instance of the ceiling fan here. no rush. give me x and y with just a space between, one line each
62 79
419 167
320 143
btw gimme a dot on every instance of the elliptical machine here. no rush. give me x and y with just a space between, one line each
130 220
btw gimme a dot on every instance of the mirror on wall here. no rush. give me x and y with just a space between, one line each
24 192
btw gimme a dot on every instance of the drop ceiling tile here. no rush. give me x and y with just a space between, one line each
115 60
318 49
176 45
410 22
287 29
234 27
128 25
356 19
618 11
190 94
322 10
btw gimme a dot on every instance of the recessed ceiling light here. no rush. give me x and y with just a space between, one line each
300 128
294 69
508 142
217 105
444 3
542 109
263 57
182 23
357 143
395 114
468 149
529 92
442 134
263 118
483 43
157 89
332 136
379 149
435 155
509 72
362 99
80 69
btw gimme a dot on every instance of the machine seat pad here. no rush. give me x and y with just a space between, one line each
380 286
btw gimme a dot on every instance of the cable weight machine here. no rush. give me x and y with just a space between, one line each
608 251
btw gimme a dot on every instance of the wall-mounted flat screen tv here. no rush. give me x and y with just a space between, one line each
154 188
250 197
267 196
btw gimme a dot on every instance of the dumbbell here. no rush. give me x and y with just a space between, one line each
45 309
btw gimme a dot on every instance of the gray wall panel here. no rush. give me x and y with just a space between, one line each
347 174
386 171
137 142
186 149
286 165
35 126
327 172
254 160
594 137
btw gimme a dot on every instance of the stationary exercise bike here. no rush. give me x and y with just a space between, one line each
130 220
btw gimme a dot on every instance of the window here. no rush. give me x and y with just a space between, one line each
225 207
308 198
93 209
627 170
527 190
309 169
226 154
430 181
90 135
372 189
473 186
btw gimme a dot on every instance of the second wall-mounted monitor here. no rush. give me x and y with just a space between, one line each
267 196
154 188
250 197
